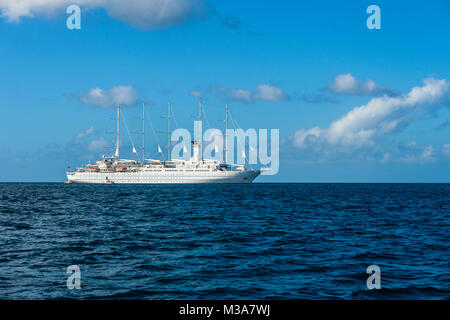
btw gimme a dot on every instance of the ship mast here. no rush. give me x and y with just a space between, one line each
117 154
143 132
201 135
226 135
168 132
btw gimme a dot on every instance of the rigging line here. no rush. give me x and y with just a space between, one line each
206 117
128 131
173 116
209 125
154 132
236 125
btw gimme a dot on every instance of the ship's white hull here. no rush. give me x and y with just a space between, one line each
164 176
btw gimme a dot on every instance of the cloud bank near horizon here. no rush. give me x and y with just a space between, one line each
360 130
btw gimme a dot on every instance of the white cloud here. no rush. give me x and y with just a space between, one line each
240 94
427 153
361 126
195 93
413 153
269 93
87 132
347 84
145 14
125 95
446 150
98 145
265 92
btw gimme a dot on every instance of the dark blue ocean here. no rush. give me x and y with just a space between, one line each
258 241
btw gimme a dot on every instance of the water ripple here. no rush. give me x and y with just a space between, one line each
258 241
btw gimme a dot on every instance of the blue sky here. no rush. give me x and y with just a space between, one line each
290 65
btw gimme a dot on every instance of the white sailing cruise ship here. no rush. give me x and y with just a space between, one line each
112 170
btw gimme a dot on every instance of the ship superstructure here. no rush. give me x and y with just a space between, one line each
112 170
